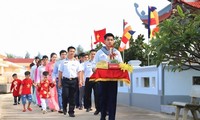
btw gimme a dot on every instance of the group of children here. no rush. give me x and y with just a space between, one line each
22 90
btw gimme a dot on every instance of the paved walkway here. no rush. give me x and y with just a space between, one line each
10 112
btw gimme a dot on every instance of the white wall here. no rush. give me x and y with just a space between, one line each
137 80
124 89
179 83
175 83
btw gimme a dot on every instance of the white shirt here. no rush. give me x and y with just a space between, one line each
100 55
70 68
41 70
87 68
32 72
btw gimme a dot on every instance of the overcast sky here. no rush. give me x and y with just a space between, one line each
48 26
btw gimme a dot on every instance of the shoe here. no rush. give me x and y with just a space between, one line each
96 112
44 111
71 115
18 102
103 119
60 111
88 110
24 110
107 113
29 109
15 104
80 108
64 112
53 110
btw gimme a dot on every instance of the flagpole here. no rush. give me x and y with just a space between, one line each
149 32
91 43
123 56
148 53
123 32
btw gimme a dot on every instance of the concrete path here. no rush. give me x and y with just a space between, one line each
10 112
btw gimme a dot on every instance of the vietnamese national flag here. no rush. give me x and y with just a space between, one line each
99 35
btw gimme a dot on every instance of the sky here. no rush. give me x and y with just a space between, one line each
46 26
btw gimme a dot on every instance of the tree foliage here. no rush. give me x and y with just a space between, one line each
79 49
10 55
39 55
178 41
137 50
27 55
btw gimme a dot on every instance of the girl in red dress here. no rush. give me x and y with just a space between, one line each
15 87
44 90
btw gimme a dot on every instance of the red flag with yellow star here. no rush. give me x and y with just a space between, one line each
99 35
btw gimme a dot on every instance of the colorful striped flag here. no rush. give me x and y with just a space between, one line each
127 33
153 21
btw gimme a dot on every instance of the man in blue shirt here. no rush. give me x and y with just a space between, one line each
63 55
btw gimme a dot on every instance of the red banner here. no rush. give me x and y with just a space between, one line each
110 75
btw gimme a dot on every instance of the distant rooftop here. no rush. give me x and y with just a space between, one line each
19 60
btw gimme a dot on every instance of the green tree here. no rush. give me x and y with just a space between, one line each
178 41
10 55
39 55
98 46
137 50
79 49
27 55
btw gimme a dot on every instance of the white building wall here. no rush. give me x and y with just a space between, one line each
124 89
163 88
150 72
179 83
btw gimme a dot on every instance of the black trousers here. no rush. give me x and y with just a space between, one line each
108 93
77 97
89 85
69 88
17 99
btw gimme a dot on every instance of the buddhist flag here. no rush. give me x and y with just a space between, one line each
127 33
153 21
99 35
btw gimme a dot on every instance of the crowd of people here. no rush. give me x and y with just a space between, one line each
63 85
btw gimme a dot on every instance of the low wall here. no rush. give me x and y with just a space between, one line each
123 98
3 80
5 88
147 101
